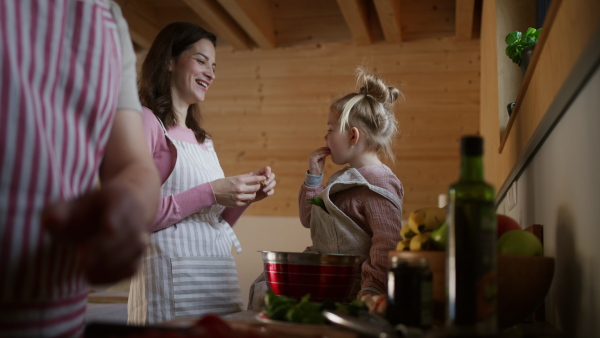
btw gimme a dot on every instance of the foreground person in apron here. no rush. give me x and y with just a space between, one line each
69 119
363 201
188 270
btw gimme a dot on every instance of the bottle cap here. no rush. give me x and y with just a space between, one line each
442 200
471 146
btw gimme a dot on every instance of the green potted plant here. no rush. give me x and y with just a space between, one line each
520 46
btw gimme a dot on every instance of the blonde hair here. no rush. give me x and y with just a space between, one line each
371 111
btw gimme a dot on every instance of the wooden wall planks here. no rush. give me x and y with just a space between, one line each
277 118
268 107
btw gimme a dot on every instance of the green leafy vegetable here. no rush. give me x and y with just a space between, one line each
518 41
277 307
304 311
318 201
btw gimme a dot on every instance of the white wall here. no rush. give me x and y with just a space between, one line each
560 189
265 234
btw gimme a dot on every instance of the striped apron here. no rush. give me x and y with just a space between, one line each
60 74
188 269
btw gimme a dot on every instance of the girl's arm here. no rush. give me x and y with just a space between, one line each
307 193
312 183
385 221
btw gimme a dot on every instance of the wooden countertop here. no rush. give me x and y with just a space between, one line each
243 322
112 297
248 320
283 329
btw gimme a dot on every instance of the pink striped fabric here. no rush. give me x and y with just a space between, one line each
60 72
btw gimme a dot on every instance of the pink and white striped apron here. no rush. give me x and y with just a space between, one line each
188 270
60 70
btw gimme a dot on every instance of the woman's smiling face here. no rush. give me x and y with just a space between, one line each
192 73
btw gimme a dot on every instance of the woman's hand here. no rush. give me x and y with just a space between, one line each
237 191
316 161
267 185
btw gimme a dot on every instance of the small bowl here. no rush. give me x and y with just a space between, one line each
324 276
523 282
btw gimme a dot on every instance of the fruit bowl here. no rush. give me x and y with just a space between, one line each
323 276
523 282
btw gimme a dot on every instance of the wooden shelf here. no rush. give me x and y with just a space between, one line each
530 70
563 60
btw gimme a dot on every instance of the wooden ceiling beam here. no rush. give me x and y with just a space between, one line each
255 18
388 12
357 20
142 21
224 25
465 15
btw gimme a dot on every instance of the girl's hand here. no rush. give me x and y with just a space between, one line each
376 303
267 185
316 160
239 190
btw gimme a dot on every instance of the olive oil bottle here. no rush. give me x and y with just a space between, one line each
471 253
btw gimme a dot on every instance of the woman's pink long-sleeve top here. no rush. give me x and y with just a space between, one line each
373 213
174 208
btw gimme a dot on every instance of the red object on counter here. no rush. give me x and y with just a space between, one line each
322 282
504 224
208 326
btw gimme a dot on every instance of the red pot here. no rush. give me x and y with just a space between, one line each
323 276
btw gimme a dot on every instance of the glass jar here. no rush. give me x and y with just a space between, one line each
410 292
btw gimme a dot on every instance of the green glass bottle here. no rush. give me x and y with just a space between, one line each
471 253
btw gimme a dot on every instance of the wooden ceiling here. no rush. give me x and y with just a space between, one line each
268 24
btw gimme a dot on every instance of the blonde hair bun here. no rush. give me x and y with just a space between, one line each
375 87
370 110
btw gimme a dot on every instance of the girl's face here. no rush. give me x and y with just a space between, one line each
192 73
337 142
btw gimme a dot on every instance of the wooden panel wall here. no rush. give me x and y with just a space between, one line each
490 122
269 107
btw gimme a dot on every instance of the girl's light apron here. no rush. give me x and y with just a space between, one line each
332 231
188 270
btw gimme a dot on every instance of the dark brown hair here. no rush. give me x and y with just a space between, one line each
155 78
371 111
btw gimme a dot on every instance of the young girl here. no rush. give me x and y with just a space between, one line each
364 199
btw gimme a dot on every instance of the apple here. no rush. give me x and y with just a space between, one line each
504 224
520 242
439 236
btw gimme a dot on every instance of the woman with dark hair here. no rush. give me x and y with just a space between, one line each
188 269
